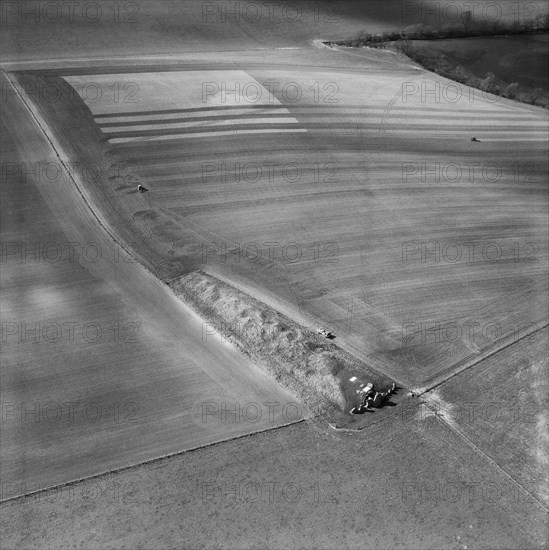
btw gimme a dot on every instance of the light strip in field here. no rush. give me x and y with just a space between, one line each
443 121
210 134
177 125
313 114
537 135
407 110
526 138
195 114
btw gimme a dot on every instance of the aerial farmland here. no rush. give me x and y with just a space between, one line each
269 282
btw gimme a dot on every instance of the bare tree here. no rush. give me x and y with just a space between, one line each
542 21
535 93
467 20
489 83
459 73
512 91
405 45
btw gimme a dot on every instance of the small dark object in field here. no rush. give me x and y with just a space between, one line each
141 189
475 139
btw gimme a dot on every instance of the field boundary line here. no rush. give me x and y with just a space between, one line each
149 461
361 429
52 141
484 455
56 149
444 378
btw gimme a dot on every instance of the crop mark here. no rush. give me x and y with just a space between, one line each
451 425
390 105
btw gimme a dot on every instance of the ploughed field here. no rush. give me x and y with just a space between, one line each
339 187
102 366
500 406
411 476
349 195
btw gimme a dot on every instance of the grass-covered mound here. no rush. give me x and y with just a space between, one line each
314 368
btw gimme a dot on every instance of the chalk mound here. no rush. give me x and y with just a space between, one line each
317 371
